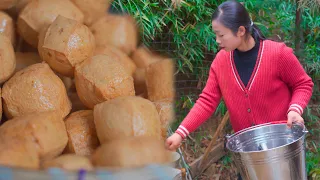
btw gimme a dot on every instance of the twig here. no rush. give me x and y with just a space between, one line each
176 3
191 138
215 137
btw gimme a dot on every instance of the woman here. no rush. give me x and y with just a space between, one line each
260 80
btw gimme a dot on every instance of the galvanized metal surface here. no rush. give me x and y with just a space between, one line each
270 152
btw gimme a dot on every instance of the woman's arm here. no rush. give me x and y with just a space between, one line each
293 74
204 106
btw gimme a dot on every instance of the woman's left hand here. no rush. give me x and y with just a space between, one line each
294 117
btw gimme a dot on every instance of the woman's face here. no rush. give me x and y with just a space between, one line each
225 38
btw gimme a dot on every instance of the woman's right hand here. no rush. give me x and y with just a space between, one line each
173 142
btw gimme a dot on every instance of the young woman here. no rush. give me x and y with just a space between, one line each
260 80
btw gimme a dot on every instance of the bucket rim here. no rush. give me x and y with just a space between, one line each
262 126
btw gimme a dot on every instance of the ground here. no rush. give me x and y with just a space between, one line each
195 145
222 169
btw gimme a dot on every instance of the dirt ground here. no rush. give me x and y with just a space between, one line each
195 146
221 170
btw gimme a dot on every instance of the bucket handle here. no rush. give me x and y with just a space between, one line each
298 123
279 122
269 123
285 122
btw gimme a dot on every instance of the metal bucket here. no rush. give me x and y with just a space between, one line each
175 160
270 151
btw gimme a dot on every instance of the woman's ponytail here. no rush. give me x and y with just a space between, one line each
256 33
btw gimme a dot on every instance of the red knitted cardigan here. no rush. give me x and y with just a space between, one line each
277 85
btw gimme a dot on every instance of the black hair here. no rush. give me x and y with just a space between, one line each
232 15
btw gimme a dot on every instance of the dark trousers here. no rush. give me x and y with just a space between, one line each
239 177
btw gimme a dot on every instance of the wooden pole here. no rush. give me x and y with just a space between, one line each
215 137
213 152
